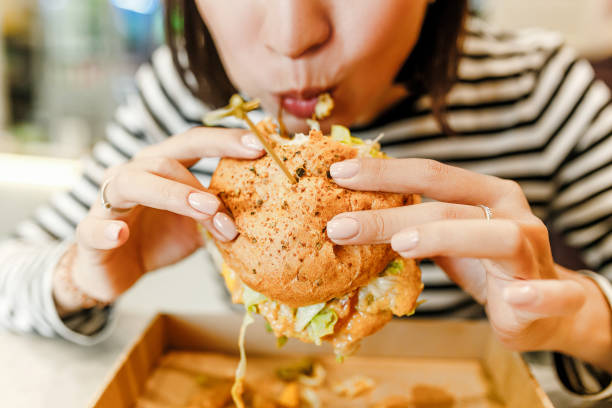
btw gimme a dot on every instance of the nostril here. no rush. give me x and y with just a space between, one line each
296 29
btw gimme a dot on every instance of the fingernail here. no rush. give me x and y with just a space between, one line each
225 226
252 142
342 228
520 294
405 240
345 169
204 203
112 231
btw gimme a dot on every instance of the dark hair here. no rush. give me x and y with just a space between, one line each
430 69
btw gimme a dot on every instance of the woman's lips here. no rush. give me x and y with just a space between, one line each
301 108
301 103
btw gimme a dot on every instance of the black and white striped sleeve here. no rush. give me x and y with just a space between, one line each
162 106
582 211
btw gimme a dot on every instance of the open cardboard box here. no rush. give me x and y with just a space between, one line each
449 354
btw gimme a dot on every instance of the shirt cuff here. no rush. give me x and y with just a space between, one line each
580 378
86 327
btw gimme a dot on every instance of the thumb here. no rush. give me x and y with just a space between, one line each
536 299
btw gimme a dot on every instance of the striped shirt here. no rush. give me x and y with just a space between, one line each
524 107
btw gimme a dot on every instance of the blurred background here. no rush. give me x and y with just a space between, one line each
65 65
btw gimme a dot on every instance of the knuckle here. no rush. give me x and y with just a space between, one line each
378 168
163 165
434 170
450 212
378 225
166 193
512 189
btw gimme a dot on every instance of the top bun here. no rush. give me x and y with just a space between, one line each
282 249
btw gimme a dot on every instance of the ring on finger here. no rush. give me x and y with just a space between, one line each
105 203
487 211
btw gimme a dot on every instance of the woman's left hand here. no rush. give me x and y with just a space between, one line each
505 263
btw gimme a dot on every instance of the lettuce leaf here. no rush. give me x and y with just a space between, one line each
341 134
322 325
305 314
395 267
251 298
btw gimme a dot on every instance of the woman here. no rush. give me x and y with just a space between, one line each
497 106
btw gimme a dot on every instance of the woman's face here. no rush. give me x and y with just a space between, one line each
287 52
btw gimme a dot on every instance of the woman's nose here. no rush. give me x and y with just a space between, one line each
294 28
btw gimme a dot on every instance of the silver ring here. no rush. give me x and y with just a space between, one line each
105 203
487 211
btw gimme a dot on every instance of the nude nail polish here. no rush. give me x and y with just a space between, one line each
342 228
225 226
252 142
112 231
204 203
345 169
405 240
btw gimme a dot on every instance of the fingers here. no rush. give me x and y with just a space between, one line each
96 233
378 226
164 184
463 238
197 143
428 177
545 298
131 188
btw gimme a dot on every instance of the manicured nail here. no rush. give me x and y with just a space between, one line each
204 203
112 231
520 294
252 142
342 228
405 240
225 226
345 169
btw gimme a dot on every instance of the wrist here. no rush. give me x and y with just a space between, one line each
68 297
587 334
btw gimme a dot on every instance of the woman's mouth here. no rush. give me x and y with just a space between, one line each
302 103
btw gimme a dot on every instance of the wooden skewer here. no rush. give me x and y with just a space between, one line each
281 125
268 148
239 109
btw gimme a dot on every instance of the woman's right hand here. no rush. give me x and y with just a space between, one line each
157 205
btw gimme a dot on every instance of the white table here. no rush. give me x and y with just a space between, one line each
37 372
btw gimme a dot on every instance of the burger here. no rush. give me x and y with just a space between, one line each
282 265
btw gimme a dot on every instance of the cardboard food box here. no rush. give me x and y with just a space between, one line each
458 359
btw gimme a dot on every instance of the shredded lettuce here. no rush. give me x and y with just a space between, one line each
322 324
250 298
341 134
368 148
395 267
305 314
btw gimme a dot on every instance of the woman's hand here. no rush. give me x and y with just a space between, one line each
157 205
505 263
